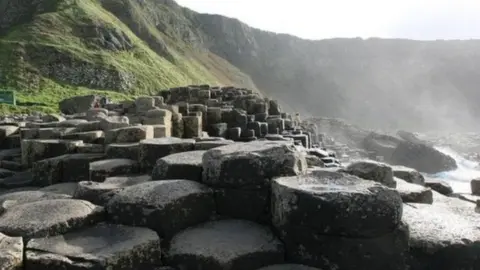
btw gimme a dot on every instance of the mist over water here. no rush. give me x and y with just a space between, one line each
460 178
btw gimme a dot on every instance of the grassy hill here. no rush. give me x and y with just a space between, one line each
59 48
52 49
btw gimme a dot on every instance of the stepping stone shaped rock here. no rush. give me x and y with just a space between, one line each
34 150
62 188
288 267
47 171
251 164
123 150
90 148
240 174
111 123
439 186
20 179
185 165
11 252
412 193
103 246
71 123
86 137
153 149
10 154
12 165
99 170
76 167
371 170
129 134
167 206
207 145
87 127
20 197
225 245
389 251
4 173
444 235
93 191
334 203
49 217
408 174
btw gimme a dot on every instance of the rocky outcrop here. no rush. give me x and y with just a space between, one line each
18 12
422 158
145 200
62 66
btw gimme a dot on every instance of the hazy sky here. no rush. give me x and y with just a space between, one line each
318 19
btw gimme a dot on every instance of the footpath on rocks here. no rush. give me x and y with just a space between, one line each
208 178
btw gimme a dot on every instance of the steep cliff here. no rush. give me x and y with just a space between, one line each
50 49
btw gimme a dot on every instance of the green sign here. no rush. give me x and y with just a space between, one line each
8 97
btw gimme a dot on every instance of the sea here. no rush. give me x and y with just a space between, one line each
460 178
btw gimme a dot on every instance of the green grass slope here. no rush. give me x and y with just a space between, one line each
55 49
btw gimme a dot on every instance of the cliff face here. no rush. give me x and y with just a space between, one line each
142 46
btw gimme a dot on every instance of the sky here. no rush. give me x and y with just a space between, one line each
321 19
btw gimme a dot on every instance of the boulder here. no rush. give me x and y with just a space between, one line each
11 252
185 165
78 104
49 217
371 170
439 186
422 157
225 244
381 144
104 246
167 206
408 174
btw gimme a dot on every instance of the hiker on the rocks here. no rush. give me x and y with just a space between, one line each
103 101
297 119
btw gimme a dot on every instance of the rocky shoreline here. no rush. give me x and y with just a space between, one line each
204 177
